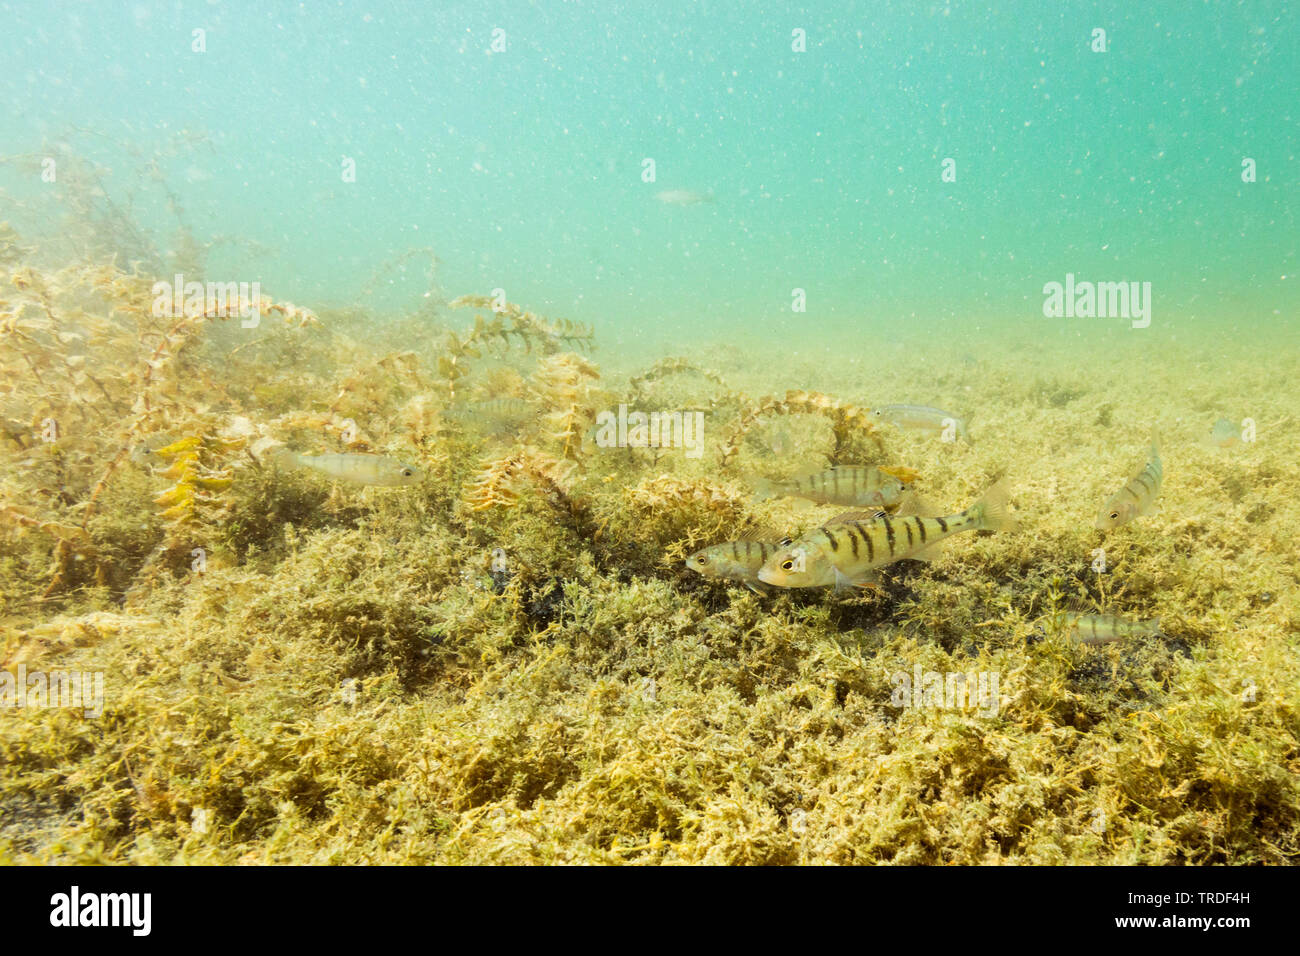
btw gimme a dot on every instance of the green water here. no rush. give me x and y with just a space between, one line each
511 660
523 168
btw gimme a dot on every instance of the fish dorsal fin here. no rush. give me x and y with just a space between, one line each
1075 607
761 534
804 474
857 515
904 474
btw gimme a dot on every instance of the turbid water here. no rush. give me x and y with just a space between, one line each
370 377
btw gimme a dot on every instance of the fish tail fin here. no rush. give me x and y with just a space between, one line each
1155 442
991 513
963 430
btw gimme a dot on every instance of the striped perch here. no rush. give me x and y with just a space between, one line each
849 485
1104 628
359 469
735 560
848 549
1138 497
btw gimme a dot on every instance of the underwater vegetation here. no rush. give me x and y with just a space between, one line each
360 594
851 426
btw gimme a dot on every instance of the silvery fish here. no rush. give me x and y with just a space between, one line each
359 469
683 197
923 418
735 560
849 549
1136 498
1104 628
850 485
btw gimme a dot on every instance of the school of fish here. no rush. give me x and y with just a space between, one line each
848 550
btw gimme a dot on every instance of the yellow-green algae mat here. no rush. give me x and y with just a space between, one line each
350 680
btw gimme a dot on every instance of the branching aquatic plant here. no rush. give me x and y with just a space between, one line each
673 366
563 383
199 467
91 369
508 324
531 329
371 385
847 421
724 401
500 482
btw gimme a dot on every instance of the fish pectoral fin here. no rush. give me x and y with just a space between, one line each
867 579
930 552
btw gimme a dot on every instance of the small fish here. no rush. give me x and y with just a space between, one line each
850 548
1136 498
1225 434
923 418
144 454
1104 628
356 468
735 560
850 485
683 197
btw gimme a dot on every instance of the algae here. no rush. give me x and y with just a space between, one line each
508 663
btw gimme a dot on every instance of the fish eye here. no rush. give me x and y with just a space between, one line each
699 559
787 565
406 472
1114 516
